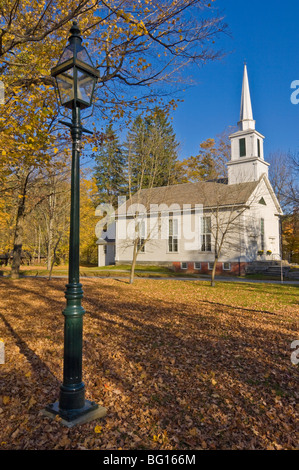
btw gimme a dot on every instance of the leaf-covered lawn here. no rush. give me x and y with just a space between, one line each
178 365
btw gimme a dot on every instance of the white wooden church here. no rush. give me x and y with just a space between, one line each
183 226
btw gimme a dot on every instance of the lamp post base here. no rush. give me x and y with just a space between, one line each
71 418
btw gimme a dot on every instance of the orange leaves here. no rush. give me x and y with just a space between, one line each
290 235
98 429
161 438
178 365
31 403
5 400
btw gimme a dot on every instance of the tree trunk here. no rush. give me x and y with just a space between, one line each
49 247
52 207
54 256
214 271
18 238
135 251
39 242
17 248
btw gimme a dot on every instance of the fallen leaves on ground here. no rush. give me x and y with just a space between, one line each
178 365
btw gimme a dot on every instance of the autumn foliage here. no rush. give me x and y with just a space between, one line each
176 365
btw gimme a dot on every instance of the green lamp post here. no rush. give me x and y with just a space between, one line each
76 79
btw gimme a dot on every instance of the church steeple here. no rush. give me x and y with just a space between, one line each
246 116
247 152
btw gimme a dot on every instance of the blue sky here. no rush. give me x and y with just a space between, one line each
266 35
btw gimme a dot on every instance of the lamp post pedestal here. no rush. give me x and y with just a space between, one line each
89 412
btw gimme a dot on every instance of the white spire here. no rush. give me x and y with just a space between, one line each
246 116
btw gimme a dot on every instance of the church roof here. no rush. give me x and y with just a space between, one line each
209 194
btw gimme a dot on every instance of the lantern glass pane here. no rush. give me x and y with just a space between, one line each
86 84
67 54
80 53
83 55
65 83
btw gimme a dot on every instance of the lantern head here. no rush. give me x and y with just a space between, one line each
75 74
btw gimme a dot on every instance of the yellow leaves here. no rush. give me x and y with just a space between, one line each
139 29
31 402
193 432
5 400
161 438
187 372
136 27
47 111
127 17
142 27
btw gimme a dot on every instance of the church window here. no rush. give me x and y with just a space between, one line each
141 237
262 201
258 147
206 234
141 245
242 143
173 235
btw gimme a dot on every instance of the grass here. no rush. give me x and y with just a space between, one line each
119 270
123 270
257 296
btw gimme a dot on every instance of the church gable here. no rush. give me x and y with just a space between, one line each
263 197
